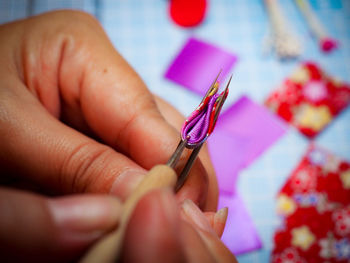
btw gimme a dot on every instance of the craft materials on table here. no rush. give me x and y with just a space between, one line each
195 131
187 13
281 38
139 19
309 99
314 206
325 42
197 64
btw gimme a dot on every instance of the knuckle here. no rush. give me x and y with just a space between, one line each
145 109
82 170
72 24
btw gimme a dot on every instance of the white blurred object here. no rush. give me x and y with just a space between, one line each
281 38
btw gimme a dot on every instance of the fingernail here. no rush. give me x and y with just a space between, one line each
126 182
220 218
84 218
195 215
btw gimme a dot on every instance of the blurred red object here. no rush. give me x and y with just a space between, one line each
328 44
188 13
309 99
314 211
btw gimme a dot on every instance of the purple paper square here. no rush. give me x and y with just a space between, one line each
242 133
248 120
197 65
227 153
240 234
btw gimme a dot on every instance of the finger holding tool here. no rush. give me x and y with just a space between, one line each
195 131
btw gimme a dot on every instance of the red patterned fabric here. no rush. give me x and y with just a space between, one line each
309 99
314 207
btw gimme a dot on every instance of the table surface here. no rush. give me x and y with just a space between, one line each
147 38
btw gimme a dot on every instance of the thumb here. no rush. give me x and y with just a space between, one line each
152 234
36 229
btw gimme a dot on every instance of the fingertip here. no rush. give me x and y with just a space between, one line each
220 218
153 231
77 216
193 245
195 216
210 217
216 247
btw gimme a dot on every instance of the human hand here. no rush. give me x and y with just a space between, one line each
75 118
64 84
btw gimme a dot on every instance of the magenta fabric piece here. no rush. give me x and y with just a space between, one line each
197 65
227 154
242 133
240 234
196 129
246 119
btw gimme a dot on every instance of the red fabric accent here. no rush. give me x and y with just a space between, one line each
314 208
328 44
187 13
309 99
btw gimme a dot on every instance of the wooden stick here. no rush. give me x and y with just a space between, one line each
108 249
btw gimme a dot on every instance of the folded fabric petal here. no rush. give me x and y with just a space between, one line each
201 122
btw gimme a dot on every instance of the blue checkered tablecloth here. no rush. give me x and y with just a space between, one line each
145 36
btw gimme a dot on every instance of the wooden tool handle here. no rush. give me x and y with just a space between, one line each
107 250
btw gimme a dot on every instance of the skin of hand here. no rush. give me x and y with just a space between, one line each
76 118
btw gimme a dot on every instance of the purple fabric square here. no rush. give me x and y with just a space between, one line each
240 234
227 154
246 119
197 65
242 133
